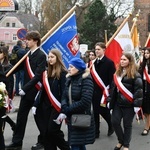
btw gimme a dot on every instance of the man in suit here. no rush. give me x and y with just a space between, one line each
34 66
102 71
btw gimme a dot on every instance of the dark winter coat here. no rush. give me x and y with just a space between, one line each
105 70
81 93
135 86
9 80
146 87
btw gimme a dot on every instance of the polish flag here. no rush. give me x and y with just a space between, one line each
122 42
148 41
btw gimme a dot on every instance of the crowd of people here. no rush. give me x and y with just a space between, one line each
55 93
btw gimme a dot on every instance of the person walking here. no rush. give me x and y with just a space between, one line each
5 66
9 83
19 75
48 107
34 66
145 71
80 85
102 70
126 93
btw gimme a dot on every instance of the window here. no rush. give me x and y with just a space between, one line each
7 24
14 37
13 24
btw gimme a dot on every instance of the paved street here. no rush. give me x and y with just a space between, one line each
103 143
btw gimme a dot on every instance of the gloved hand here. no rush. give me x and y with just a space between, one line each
34 110
60 118
21 92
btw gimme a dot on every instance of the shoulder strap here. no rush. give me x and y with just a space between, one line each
70 99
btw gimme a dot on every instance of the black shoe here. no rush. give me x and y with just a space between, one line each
117 148
37 146
14 146
110 132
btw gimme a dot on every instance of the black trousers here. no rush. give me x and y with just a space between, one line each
2 126
105 113
22 116
123 133
51 133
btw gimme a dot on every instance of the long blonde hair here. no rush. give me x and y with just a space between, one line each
132 68
58 67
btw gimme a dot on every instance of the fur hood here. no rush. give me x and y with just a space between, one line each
85 74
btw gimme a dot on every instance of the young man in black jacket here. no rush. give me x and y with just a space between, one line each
34 66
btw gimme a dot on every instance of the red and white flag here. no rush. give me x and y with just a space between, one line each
148 41
122 42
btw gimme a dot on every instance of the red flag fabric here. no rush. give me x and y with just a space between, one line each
122 42
148 41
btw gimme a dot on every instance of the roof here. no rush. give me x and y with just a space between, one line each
30 21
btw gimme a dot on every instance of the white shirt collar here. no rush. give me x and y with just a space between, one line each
34 50
100 58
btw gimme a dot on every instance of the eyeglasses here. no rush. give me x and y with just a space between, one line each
97 49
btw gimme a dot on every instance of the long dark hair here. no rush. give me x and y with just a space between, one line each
4 50
145 62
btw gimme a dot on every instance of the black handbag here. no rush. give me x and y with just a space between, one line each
79 120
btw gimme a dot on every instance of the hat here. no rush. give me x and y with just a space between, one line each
78 63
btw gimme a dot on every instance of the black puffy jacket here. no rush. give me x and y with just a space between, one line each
81 93
135 86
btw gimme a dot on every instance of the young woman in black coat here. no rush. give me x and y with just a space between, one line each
49 101
126 93
145 72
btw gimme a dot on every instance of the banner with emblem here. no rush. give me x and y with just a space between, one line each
65 39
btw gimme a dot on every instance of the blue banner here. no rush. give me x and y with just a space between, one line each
65 39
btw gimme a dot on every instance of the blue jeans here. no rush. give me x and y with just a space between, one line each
19 80
78 147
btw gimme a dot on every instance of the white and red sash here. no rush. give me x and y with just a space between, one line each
101 84
125 92
146 75
31 74
56 104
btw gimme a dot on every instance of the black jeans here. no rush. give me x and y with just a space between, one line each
127 114
2 126
105 113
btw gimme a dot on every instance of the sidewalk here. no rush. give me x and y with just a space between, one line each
138 142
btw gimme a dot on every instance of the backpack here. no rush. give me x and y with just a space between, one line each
14 57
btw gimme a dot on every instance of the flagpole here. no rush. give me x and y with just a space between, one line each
134 22
120 27
106 37
147 40
45 37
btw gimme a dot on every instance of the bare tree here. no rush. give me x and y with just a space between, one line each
119 7
26 6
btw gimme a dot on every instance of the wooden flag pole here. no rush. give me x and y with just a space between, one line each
120 27
45 37
147 40
106 37
134 23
